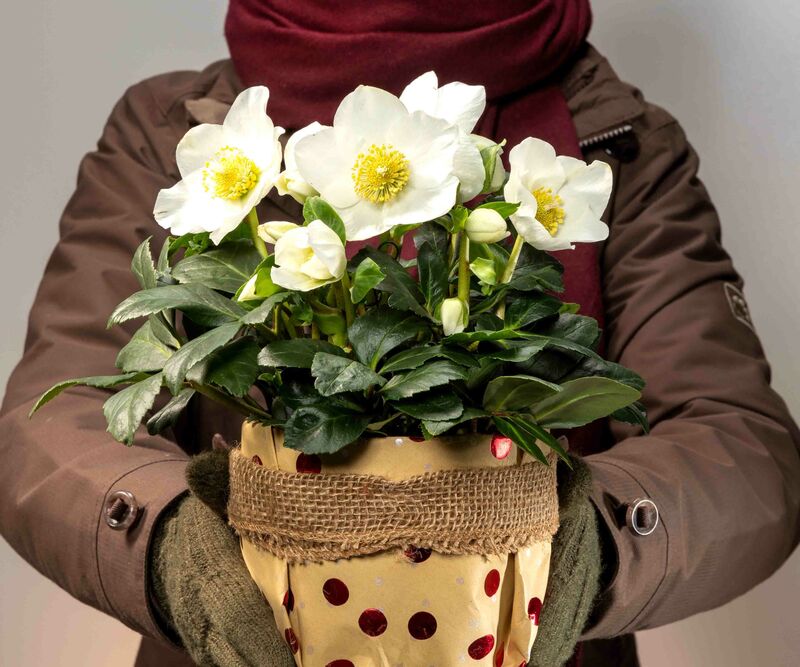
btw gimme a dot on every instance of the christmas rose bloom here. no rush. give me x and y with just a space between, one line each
308 257
225 169
460 105
562 198
291 182
381 166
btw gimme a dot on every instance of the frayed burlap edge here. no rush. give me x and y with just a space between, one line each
323 517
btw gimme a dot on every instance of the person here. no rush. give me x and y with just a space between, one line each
682 519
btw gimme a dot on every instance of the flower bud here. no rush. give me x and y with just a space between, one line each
454 314
291 183
499 173
270 232
485 225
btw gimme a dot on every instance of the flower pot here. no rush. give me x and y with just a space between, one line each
466 600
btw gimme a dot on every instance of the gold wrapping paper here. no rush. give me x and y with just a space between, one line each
401 607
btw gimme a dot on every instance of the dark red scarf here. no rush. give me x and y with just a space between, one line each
311 53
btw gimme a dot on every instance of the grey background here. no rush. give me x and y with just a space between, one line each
727 69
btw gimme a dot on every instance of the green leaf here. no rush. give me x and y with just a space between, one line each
525 309
195 351
168 415
234 367
582 401
404 292
522 437
537 270
144 351
417 356
433 234
143 267
316 208
263 311
607 369
336 374
516 351
323 428
224 268
381 330
433 272
125 410
458 218
295 353
577 328
482 336
162 266
193 243
509 393
432 428
98 381
524 422
367 276
489 156
485 270
635 413
434 405
504 208
425 377
201 304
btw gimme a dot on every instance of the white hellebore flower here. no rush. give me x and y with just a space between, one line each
562 198
226 170
379 165
460 105
485 225
290 182
454 315
308 257
270 232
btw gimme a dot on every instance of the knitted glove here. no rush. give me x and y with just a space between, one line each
575 570
202 586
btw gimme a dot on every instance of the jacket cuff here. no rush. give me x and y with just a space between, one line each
123 552
641 560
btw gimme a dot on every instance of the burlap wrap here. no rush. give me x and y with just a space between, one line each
323 517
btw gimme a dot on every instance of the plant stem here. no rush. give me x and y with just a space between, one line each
463 268
252 221
349 311
508 272
228 401
287 322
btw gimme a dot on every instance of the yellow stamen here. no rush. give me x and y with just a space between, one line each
230 174
549 212
380 174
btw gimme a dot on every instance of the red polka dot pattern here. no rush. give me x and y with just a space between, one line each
491 583
288 601
498 656
340 663
501 446
336 592
257 460
422 625
417 554
310 463
291 639
372 622
416 438
481 647
534 609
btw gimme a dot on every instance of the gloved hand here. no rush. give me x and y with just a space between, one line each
202 585
575 570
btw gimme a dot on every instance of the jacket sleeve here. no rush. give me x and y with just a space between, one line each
60 467
721 461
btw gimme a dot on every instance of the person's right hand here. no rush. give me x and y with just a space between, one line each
202 585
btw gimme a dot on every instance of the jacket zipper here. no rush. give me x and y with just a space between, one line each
613 133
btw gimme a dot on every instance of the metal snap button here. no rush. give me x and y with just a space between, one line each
642 516
121 510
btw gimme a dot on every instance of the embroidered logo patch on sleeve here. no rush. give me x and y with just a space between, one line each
738 305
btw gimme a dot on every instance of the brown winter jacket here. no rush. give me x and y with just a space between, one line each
721 462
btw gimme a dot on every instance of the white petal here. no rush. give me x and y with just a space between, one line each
291 143
367 112
468 168
229 219
294 280
271 231
364 220
461 105
581 224
592 183
293 248
198 146
327 166
248 117
421 94
420 204
534 163
327 247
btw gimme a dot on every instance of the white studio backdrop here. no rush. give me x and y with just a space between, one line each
729 71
